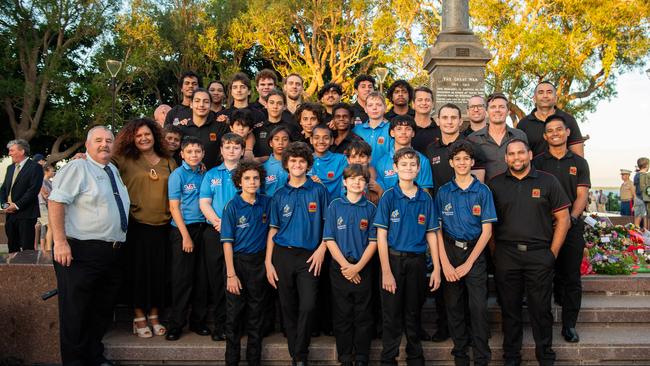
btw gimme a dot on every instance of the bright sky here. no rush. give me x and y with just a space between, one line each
618 130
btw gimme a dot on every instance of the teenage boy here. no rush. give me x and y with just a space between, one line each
406 224
402 130
173 136
358 152
400 94
466 210
240 91
188 83
352 241
276 175
342 126
242 124
329 96
363 86
217 189
294 252
244 227
328 166
189 276
375 131
308 116
275 106
265 81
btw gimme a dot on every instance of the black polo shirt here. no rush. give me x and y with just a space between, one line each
424 136
263 132
210 135
534 130
360 115
572 171
258 116
340 148
438 154
525 207
179 112
391 114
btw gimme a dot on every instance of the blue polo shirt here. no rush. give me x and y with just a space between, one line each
329 168
183 185
246 226
350 225
218 186
276 175
387 176
298 214
378 138
463 212
407 219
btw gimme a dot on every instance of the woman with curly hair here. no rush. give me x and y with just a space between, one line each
144 162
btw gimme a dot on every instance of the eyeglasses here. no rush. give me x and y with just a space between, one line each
476 106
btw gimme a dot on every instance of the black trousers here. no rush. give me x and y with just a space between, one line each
297 288
567 281
20 233
352 315
532 271
470 292
248 306
189 279
87 292
216 269
323 322
401 312
146 252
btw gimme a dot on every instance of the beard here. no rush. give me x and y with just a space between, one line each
524 166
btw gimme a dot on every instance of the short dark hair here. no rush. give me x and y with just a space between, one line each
356 170
404 120
243 167
423 89
345 106
556 117
315 108
284 81
495 96
266 74
513 141
406 152
276 92
201 90
276 131
337 88
358 146
47 167
173 129
217 82
363 77
450 106
191 140
233 137
241 77
642 163
322 127
547 83
399 84
297 149
460 146
189 74
243 116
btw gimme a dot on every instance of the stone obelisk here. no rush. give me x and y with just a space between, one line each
456 62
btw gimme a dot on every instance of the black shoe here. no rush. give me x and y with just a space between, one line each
570 335
201 330
218 336
299 363
440 336
173 334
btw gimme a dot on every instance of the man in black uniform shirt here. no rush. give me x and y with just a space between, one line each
573 173
527 202
426 129
363 86
545 98
240 91
400 94
329 96
188 83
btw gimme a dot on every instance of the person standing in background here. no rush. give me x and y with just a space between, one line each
626 193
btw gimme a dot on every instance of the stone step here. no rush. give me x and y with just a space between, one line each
599 345
636 284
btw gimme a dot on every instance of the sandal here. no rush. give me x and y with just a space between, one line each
141 332
158 329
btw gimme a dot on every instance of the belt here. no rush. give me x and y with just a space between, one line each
397 253
464 245
113 244
352 260
526 247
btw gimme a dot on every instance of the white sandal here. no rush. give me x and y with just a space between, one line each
141 332
158 329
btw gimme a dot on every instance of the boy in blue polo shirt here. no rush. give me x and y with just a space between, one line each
375 130
276 176
244 227
359 152
217 189
189 276
402 130
328 166
352 241
466 211
294 250
406 223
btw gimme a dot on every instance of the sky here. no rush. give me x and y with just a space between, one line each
619 131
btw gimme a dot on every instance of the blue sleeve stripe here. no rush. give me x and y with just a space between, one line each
436 228
372 239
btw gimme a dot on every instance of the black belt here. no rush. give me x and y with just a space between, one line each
113 244
397 253
526 247
464 245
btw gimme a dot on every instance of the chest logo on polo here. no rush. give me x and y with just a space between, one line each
389 173
394 216
242 223
263 134
476 210
330 175
448 210
215 182
435 160
213 136
363 224
271 178
573 170
286 211
380 140
189 187
536 193
421 219
312 207
340 224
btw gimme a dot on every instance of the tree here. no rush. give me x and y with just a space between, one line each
579 45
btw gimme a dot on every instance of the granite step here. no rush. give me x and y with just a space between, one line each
599 345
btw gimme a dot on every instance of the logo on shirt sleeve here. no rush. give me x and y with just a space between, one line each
394 216
381 140
312 207
363 224
263 134
340 224
476 210
536 193
215 182
421 219
270 178
573 170
213 136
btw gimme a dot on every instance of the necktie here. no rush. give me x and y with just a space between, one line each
118 199
13 180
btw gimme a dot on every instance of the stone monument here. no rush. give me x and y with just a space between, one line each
456 62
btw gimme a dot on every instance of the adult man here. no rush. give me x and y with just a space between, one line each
363 86
525 253
400 94
19 197
476 114
626 193
188 83
545 99
572 171
293 88
426 130
88 207
265 81
493 138
329 96
640 211
160 114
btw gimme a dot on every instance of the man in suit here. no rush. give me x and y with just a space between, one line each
19 196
